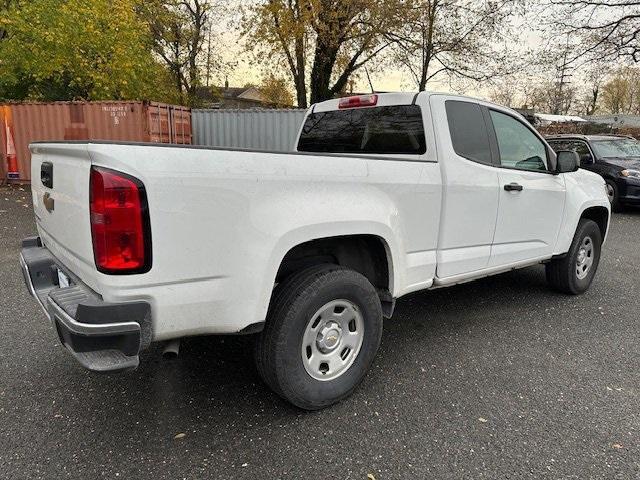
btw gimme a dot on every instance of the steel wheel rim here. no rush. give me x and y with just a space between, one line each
584 259
332 340
610 193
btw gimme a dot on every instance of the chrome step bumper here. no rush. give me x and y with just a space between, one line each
101 336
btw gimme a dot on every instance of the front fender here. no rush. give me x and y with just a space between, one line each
585 190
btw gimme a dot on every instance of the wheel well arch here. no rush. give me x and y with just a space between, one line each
368 255
600 215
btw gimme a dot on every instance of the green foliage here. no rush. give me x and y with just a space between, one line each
621 94
78 49
276 91
179 29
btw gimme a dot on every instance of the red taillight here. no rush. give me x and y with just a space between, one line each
360 101
119 223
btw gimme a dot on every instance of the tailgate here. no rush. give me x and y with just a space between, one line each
60 186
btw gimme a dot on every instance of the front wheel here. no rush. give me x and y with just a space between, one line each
613 195
322 333
574 273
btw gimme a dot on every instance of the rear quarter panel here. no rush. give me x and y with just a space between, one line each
222 221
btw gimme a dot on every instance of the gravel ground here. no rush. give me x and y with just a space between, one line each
498 378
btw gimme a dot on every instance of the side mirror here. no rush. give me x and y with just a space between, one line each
586 159
567 161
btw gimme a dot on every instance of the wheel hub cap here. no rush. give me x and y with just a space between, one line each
329 337
332 340
584 259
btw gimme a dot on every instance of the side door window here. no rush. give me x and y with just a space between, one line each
519 147
578 146
559 145
469 135
581 148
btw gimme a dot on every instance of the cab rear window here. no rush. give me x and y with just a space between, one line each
387 130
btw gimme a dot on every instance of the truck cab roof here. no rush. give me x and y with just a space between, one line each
386 99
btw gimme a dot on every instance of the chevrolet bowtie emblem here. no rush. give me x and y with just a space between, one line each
48 202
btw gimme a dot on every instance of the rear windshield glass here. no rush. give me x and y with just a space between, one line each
395 129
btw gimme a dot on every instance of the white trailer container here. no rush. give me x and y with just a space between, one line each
274 130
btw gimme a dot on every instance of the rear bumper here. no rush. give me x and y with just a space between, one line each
103 337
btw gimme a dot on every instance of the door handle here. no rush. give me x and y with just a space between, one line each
513 187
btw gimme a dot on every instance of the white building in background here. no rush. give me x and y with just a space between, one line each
547 119
617 120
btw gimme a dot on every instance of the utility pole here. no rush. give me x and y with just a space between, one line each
560 106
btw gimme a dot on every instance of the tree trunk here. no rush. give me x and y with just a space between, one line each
300 74
427 44
323 63
425 72
591 108
301 91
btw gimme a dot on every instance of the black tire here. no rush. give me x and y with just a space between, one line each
562 273
616 206
295 301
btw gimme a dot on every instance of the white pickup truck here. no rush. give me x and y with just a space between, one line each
383 195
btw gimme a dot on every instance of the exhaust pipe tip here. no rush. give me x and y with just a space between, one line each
171 349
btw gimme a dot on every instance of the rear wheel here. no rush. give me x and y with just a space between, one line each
613 195
574 273
322 333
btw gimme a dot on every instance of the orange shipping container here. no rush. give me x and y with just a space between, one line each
119 121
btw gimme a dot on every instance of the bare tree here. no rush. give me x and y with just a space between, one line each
504 93
455 38
593 82
608 28
551 79
545 97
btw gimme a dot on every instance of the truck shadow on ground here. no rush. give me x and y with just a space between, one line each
218 373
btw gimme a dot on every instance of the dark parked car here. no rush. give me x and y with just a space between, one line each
616 158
